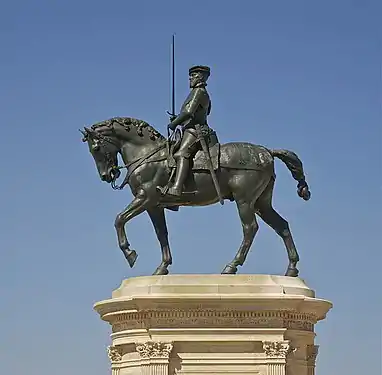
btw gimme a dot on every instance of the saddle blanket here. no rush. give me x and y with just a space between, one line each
231 155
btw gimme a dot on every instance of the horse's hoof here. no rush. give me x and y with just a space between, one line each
304 192
131 257
291 272
229 270
161 271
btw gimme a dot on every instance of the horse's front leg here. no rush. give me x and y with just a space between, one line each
158 219
136 207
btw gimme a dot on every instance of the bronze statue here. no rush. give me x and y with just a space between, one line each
244 173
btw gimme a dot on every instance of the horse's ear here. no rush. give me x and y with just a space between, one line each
90 133
85 135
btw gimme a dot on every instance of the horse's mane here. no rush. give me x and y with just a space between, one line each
130 123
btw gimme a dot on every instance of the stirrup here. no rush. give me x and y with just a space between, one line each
174 192
162 189
166 190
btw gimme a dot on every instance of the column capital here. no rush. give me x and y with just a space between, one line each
311 354
277 349
154 349
114 353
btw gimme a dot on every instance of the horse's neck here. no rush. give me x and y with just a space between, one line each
131 151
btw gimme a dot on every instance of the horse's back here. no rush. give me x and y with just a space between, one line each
245 155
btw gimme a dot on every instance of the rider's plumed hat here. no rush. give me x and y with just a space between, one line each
200 69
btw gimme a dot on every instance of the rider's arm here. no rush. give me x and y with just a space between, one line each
180 119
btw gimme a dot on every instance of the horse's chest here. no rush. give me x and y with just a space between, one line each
146 175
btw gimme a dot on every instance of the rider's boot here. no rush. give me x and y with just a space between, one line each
182 167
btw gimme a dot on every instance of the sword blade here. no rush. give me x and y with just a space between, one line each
173 76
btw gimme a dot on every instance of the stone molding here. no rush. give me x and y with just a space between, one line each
153 349
277 349
212 318
114 353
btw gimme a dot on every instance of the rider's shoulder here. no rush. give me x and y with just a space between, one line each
199 91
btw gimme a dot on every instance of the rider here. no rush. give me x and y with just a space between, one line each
194 111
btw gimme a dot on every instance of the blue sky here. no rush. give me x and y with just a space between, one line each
299 75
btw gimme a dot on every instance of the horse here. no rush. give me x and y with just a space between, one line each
245 173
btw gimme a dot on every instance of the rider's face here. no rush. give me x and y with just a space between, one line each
195 78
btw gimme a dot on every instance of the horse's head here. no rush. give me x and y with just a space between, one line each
104 149
131 137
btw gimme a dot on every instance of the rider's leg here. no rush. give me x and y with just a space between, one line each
183 158
182 168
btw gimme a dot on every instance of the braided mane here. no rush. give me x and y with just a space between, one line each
130 123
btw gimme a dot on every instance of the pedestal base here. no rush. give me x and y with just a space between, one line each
213 324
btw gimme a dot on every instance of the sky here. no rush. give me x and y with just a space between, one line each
300 75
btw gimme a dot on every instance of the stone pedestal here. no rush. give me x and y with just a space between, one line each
213 324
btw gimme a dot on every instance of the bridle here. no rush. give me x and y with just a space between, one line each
108 157
131 166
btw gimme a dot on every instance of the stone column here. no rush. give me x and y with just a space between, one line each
154 357
311 355
115 356
276 353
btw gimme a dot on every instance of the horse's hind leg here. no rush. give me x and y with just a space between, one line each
250 227
280 225
246 190
268 214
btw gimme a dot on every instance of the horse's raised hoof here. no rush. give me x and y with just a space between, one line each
229 270
161 271
131 257
291 272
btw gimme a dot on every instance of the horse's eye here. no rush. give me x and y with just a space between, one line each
96 147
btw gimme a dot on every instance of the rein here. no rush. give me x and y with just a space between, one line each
138 162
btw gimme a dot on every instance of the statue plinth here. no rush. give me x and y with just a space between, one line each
213 324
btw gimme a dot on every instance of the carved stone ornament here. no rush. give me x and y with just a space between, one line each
191 318
277 348
153 349
311 353
114 353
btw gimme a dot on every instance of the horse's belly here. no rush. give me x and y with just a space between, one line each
203 190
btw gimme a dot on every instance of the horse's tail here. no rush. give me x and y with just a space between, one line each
294 164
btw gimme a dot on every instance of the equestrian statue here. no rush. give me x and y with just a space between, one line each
191 168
